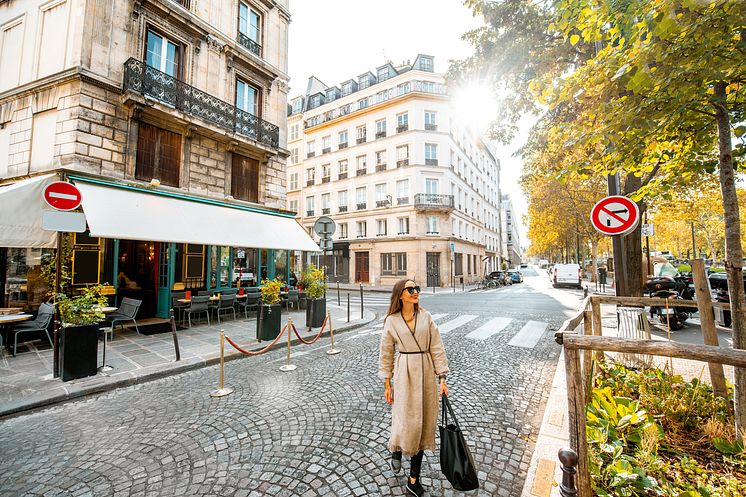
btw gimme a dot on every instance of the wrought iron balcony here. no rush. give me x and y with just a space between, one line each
309 213
310 182
382 203
250 44
326 179
380 134
150 82
431 127
342 145
402 162
430 201
326 150
326 210
431 162
342 176
342 208
380 167
402 200
402 128
361 206
362 172
361 140
310 154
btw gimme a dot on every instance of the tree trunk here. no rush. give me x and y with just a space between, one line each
633 246
733 249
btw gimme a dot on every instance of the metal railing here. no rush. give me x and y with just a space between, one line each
150 82
402 162
431 162
361 206
433 201
402 127
342 176
402 200
250 44
342 145
380 167
431 127
342 208
361 172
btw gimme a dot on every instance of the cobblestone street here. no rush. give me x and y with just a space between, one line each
319 430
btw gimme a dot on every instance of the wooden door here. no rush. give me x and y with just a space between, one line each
433 269
362 267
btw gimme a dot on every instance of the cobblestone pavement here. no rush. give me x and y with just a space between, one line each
319 430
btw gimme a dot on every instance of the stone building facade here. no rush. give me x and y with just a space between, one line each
414 192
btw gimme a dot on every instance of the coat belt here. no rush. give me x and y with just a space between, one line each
418 352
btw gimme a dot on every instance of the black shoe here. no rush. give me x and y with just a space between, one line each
415 488
395 462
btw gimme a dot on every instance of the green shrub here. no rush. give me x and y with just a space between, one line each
270 290
83 309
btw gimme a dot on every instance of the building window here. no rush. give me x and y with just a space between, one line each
403 226
54 32
361 197
310 175
311 149
362 164
381 225
362 103
362 229
342 139
402 155
364 81
158 155
326 203
383 74
162 54
432 225
361 132
401 263
430 123
326 171
245 178
342 230
310 204
381 195
326 144
293 206
249 25
402 122
342 200
402 192
11 42
342 168
347 88
381 160
381 128
293 181
294 155
431 154
458 264
394 264
387 264
247 98
294 132
468 264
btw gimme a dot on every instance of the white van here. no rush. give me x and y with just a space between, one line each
566 274
543 263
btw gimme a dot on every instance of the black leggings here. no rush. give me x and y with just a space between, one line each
416 464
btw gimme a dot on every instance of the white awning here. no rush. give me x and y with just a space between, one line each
21 207
128 214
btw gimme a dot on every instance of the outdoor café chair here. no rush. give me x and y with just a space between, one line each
199 304
250 303
293 298
226 303
41 323
127 312
178 307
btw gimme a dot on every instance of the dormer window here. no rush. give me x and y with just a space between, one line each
383 74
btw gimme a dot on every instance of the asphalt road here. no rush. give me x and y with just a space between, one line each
319 430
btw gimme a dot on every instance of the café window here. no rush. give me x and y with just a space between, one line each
245 178
163 54
25 286
158 155
245 263
190 266
220 267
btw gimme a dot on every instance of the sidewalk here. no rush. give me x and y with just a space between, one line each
426 290
26 381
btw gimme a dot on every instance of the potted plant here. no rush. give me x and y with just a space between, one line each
303 282
81 316
269 316
315 291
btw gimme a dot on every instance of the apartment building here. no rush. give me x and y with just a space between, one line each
412 190
170 116
511 249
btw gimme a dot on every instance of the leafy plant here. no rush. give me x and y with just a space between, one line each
83 309
49 267
270 290
316 285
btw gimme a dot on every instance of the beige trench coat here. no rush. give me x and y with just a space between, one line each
415 409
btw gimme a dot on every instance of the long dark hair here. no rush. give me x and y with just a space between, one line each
395 305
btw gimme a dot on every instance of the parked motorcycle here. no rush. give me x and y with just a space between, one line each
668 283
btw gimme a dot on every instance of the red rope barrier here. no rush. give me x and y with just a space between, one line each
265 349
318 335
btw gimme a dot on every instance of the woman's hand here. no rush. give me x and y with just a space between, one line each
388 392
443 389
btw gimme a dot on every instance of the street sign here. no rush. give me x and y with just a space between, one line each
326 244
69 222
647 230
62 196
615 215
324 226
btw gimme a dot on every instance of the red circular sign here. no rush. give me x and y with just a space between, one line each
62 196
615 215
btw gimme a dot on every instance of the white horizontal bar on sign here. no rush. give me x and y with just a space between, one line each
529 335
491 327
456 323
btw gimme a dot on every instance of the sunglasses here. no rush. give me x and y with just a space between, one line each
412 289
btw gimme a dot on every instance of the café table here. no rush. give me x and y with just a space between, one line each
10 319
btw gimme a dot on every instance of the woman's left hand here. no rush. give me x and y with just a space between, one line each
443 389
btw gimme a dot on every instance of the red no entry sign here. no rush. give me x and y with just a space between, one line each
615 215
62 196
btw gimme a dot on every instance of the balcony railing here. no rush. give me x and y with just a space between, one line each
310 182
380 167
402 162
362 172
309 213
150 82
382 203
342 145
402 200
342 176
326 210
402 128
326 150
326 179
360 140
342 208
361 206
431 127
380 134
250 44
431 162
433 201
310 154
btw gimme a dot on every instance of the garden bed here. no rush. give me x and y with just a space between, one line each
654 434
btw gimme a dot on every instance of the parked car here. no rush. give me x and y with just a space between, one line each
567 274
515 276
524 265
543 263
501 277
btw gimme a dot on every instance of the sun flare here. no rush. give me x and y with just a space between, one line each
475 104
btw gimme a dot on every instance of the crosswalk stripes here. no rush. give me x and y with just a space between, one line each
456 323
495 325
529 335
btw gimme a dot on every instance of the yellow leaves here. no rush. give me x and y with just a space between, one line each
574 39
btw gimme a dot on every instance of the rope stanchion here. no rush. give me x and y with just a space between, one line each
257 352
287 366
331 351
318 335
222 391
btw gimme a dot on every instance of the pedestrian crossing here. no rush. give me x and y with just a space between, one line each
527 336
503 289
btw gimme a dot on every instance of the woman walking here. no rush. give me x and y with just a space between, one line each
412 332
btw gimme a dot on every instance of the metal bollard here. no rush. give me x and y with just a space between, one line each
348 307
222 391
585 291
173 334
569 460
332 350
362 303
287 366
339 301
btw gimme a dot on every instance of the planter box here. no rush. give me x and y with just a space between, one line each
302 300
315 312
78 351
268 321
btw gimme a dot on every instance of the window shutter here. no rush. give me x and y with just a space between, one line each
245 178
170 158
147 141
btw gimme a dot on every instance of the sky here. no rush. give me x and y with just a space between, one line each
336 40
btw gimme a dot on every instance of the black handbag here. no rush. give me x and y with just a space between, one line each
456 461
